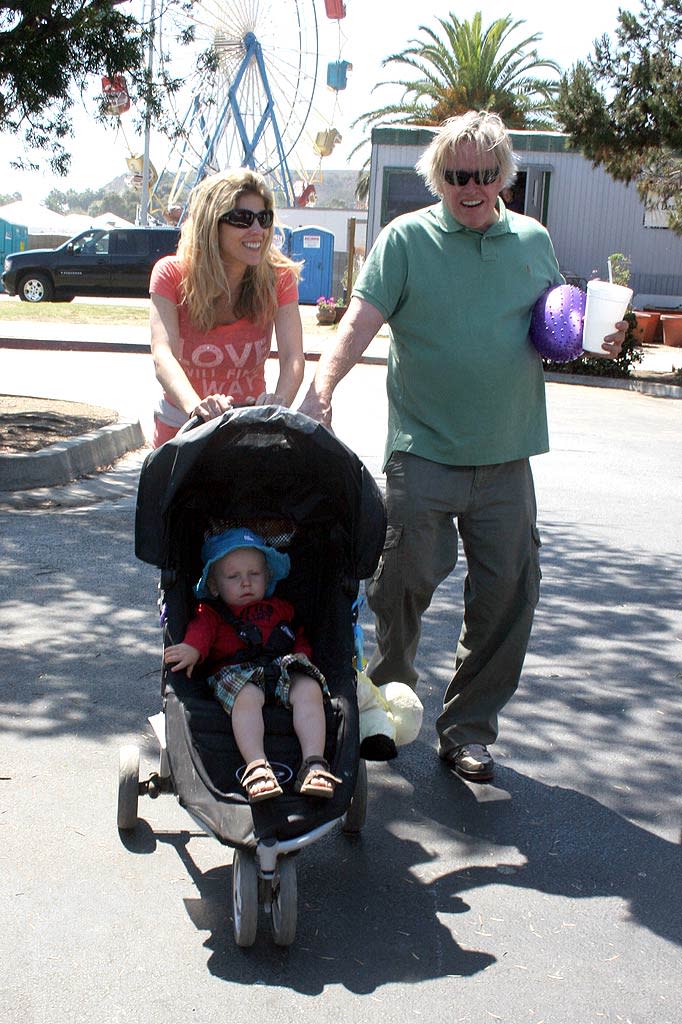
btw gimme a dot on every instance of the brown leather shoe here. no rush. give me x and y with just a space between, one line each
472 761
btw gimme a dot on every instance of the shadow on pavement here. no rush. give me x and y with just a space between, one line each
601 683
363 920
370 916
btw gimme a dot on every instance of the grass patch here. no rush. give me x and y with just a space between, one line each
73 313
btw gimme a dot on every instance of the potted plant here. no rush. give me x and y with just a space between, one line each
646 322
326 310
619 269
330 310
671 324
341 307
645 327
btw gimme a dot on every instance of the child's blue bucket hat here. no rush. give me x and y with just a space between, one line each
220 544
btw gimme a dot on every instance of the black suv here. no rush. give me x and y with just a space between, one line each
97 262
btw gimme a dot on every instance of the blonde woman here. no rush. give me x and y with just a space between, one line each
214 306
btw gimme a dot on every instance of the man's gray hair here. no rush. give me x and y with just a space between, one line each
485 131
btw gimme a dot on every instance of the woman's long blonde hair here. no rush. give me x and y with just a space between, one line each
204 280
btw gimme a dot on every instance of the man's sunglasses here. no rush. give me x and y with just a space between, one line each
486 177
245 218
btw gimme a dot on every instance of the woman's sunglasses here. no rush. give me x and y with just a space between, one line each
486 177
245 218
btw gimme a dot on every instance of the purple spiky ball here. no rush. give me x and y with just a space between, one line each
556 325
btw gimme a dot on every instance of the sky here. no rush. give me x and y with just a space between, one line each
371 30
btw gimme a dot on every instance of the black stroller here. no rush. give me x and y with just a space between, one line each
289 479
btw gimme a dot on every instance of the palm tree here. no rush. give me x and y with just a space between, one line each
469 69
362 185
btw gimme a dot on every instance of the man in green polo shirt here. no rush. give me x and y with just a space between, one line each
457 283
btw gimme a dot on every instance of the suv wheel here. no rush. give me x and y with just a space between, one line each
36 288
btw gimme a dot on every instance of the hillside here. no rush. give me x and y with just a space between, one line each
335 188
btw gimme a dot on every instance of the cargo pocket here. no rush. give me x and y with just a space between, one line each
391 544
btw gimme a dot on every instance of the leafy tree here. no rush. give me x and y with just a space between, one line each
622 106
468 67
50 48
362 187
123 204
6 198
71 201
95 202
46 46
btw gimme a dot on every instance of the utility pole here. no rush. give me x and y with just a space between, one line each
144 204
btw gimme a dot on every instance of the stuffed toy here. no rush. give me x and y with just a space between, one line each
390 717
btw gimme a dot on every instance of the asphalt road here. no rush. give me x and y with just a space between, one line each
551 897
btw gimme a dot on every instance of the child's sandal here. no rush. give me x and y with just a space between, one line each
258 773
315 779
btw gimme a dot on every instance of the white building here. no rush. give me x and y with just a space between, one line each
588 214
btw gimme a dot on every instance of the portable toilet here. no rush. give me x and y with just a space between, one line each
19 238
314 247
13 238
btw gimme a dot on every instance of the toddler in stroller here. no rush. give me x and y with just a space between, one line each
253 651
308 497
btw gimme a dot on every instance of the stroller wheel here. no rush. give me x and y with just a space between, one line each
128 786
244 898
284 903
354 818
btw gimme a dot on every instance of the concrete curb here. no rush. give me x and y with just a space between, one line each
640 387
66 345
69 460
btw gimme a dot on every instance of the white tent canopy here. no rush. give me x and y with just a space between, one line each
110 220
37 218
41 221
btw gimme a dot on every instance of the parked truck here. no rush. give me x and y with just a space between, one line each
116 262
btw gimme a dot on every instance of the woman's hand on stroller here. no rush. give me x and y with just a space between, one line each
213 406
181 656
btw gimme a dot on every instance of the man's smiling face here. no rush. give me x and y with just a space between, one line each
473 205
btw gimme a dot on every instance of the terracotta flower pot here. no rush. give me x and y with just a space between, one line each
672 329
339 311
326 316
645 328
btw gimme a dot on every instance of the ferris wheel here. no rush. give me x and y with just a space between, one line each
252 88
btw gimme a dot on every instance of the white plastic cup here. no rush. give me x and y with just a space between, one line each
605 306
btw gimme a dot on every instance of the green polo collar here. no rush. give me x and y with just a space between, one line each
502 226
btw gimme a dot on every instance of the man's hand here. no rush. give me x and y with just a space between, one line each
313 406
613 343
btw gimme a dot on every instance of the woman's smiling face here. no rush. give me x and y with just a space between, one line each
246 246
474 206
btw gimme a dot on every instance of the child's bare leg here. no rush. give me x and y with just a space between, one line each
307 702
305 697
247 722
249 734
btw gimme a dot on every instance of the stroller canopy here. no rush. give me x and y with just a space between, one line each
250 462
